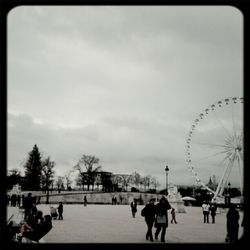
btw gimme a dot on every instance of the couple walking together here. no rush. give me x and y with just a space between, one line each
156 215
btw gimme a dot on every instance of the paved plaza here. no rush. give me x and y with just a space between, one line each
115 224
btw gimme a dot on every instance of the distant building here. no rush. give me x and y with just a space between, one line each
212 183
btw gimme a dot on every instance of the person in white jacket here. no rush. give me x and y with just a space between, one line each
205 208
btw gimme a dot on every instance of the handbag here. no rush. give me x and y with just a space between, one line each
161 219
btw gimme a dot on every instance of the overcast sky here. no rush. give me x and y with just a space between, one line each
121 83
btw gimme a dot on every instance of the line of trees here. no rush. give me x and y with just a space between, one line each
40 175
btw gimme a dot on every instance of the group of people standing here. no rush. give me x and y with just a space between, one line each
157 216
209 208
17 200
29 205
35 227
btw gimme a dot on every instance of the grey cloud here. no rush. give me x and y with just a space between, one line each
123 83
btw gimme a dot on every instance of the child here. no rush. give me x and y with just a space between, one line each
40 230
173 216
30 225
60 211
53 213
25 228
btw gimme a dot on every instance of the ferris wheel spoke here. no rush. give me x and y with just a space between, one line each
210 156
221 124
210 144
225 177
241 138
233 122
240 170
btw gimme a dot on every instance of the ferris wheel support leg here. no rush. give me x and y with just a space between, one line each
230 166
222 182
240 172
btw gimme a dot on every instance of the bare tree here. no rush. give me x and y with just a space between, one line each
68 179
136 179
146 181
127 180
59 183
154 183
88 176
47 173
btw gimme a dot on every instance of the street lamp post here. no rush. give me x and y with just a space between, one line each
229 185
227 195
167 170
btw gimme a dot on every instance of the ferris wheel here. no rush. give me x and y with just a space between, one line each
214 145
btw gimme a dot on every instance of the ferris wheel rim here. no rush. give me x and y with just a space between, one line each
201 116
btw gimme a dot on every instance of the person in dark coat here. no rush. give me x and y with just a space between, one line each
133 206
173 219
148 212
161 221
85 200
28 205
13 200
213 209
36 219
18 199
60 211
22 200
34 209
8 200
233 217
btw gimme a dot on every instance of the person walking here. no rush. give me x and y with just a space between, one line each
233 217
161 221
18 199
85 201
133 206
60 211
13 200
213 209
28 205
148 212
173 216
205 208
121 199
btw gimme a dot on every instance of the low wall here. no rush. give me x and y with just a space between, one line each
100 198
124 198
